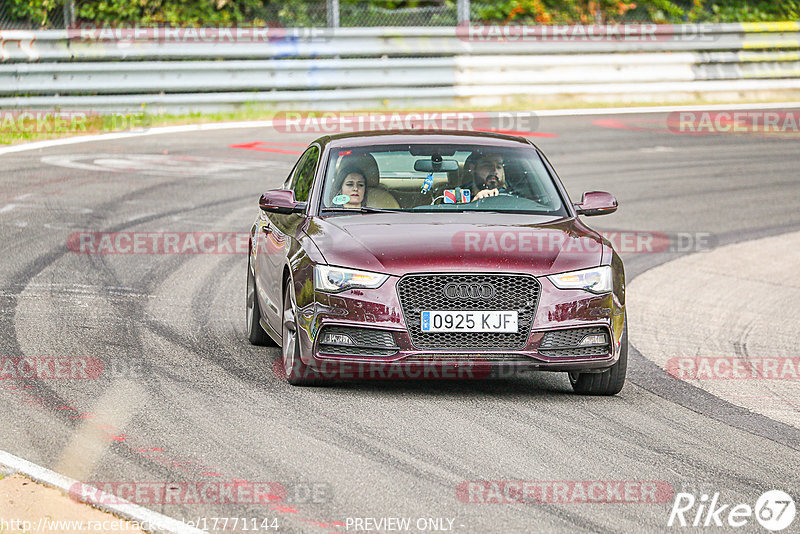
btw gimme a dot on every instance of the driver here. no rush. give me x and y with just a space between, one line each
488 175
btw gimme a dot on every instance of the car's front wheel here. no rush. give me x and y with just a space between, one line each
255 334
610 381
297 372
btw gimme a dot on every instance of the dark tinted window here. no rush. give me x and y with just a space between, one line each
304 174
444 177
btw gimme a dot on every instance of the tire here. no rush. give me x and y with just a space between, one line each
297 372
609 382
255 334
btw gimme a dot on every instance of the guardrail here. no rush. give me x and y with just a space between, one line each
179 70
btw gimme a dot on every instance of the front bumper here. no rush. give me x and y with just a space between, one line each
379 311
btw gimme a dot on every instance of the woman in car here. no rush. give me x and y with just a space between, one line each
350 187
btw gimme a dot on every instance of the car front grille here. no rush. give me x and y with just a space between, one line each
364 342
420 292
566 343
471 358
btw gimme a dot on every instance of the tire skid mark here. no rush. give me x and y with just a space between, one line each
165 465
359 441
110 433
45 396
209 350
38 265
26 275
740 349
200 300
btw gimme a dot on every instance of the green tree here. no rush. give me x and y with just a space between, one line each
41 13
578 11
288 13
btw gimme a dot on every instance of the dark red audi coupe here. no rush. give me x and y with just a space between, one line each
418 254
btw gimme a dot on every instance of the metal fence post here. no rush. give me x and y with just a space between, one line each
333 13
463 12
69 13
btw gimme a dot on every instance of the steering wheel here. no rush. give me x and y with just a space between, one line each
494 201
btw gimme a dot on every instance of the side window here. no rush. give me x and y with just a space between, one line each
304 174
288 183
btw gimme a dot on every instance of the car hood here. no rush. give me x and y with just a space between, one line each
400 243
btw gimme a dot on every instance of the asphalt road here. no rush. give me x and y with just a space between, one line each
186 399
734 350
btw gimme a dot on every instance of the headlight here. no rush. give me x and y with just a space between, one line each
596 280
334 279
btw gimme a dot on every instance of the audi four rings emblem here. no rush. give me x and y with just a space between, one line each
468 291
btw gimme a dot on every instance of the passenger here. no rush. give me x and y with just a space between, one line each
350 182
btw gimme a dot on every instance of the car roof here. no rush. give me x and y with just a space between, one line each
391 137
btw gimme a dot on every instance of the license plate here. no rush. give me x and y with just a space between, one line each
469 321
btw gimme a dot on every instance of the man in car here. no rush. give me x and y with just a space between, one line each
487 175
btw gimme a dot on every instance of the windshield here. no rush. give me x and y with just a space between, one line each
439 177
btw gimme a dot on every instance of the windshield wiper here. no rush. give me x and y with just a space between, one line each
363 210
433 209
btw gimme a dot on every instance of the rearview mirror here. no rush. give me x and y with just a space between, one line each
596 203
433 165
280 201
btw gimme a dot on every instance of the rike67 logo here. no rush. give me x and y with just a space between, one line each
774 510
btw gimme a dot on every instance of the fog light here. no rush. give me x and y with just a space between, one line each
593 340
337 339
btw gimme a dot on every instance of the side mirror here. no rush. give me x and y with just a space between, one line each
280 201
596 203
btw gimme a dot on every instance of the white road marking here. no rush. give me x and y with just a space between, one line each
664 109
80 211
37 145
124 509
161 165
659 148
